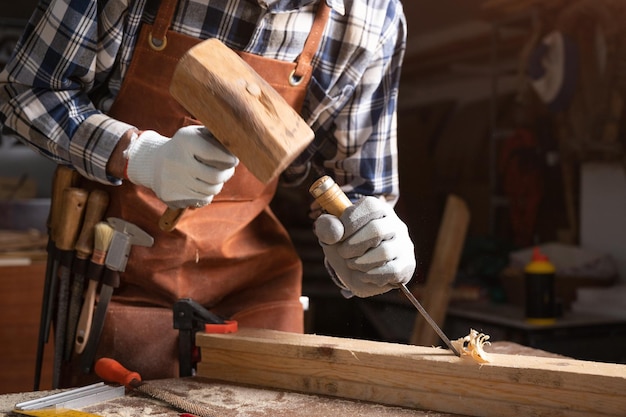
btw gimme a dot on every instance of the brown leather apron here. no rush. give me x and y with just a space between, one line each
232 256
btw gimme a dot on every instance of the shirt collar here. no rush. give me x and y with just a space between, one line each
284 5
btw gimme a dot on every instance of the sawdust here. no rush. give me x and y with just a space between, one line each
132 406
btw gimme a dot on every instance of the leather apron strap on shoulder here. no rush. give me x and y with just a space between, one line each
303 63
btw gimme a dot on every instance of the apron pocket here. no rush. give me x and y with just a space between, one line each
143 339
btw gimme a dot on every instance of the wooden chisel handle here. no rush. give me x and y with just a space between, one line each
328 194
97 204
170 218
64 177
71 217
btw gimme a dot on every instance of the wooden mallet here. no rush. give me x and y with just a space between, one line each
242 111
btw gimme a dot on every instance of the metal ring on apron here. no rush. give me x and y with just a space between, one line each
156 46
294 80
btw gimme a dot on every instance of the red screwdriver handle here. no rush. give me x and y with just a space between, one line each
112 371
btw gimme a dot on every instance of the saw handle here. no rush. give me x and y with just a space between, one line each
112 371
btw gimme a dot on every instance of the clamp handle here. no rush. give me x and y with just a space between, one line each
189 317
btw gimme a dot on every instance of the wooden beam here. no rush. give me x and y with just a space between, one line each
442 271
414 376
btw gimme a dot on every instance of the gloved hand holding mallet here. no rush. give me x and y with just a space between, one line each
187 170
242 111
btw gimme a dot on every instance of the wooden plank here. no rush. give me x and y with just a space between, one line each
414 376
442 271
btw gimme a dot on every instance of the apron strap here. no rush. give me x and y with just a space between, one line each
162 23
303 63
158 36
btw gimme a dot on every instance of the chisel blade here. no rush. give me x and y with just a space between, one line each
428 319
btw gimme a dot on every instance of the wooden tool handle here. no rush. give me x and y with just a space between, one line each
328 194
71 216
170 218
64 177
86 316
97 204
103 233
112 371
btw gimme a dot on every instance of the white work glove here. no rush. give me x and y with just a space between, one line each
187 170
368 249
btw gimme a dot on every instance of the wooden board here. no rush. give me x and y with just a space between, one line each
415 376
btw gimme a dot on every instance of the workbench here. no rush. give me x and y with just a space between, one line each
234 400
580 335
229 400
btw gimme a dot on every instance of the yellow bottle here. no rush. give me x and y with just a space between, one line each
540 294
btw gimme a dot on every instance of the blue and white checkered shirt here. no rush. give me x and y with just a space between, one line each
71 48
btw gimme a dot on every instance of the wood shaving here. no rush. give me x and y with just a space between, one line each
472 345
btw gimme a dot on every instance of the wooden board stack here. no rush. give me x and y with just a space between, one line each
414 376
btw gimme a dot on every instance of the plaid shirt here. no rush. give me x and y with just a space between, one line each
72 49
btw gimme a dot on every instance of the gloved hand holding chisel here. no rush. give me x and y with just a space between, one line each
368 249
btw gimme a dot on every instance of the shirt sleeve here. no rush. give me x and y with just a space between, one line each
356 136
44 89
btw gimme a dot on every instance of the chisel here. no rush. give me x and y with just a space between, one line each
112 371
64 177
334 201
73 207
